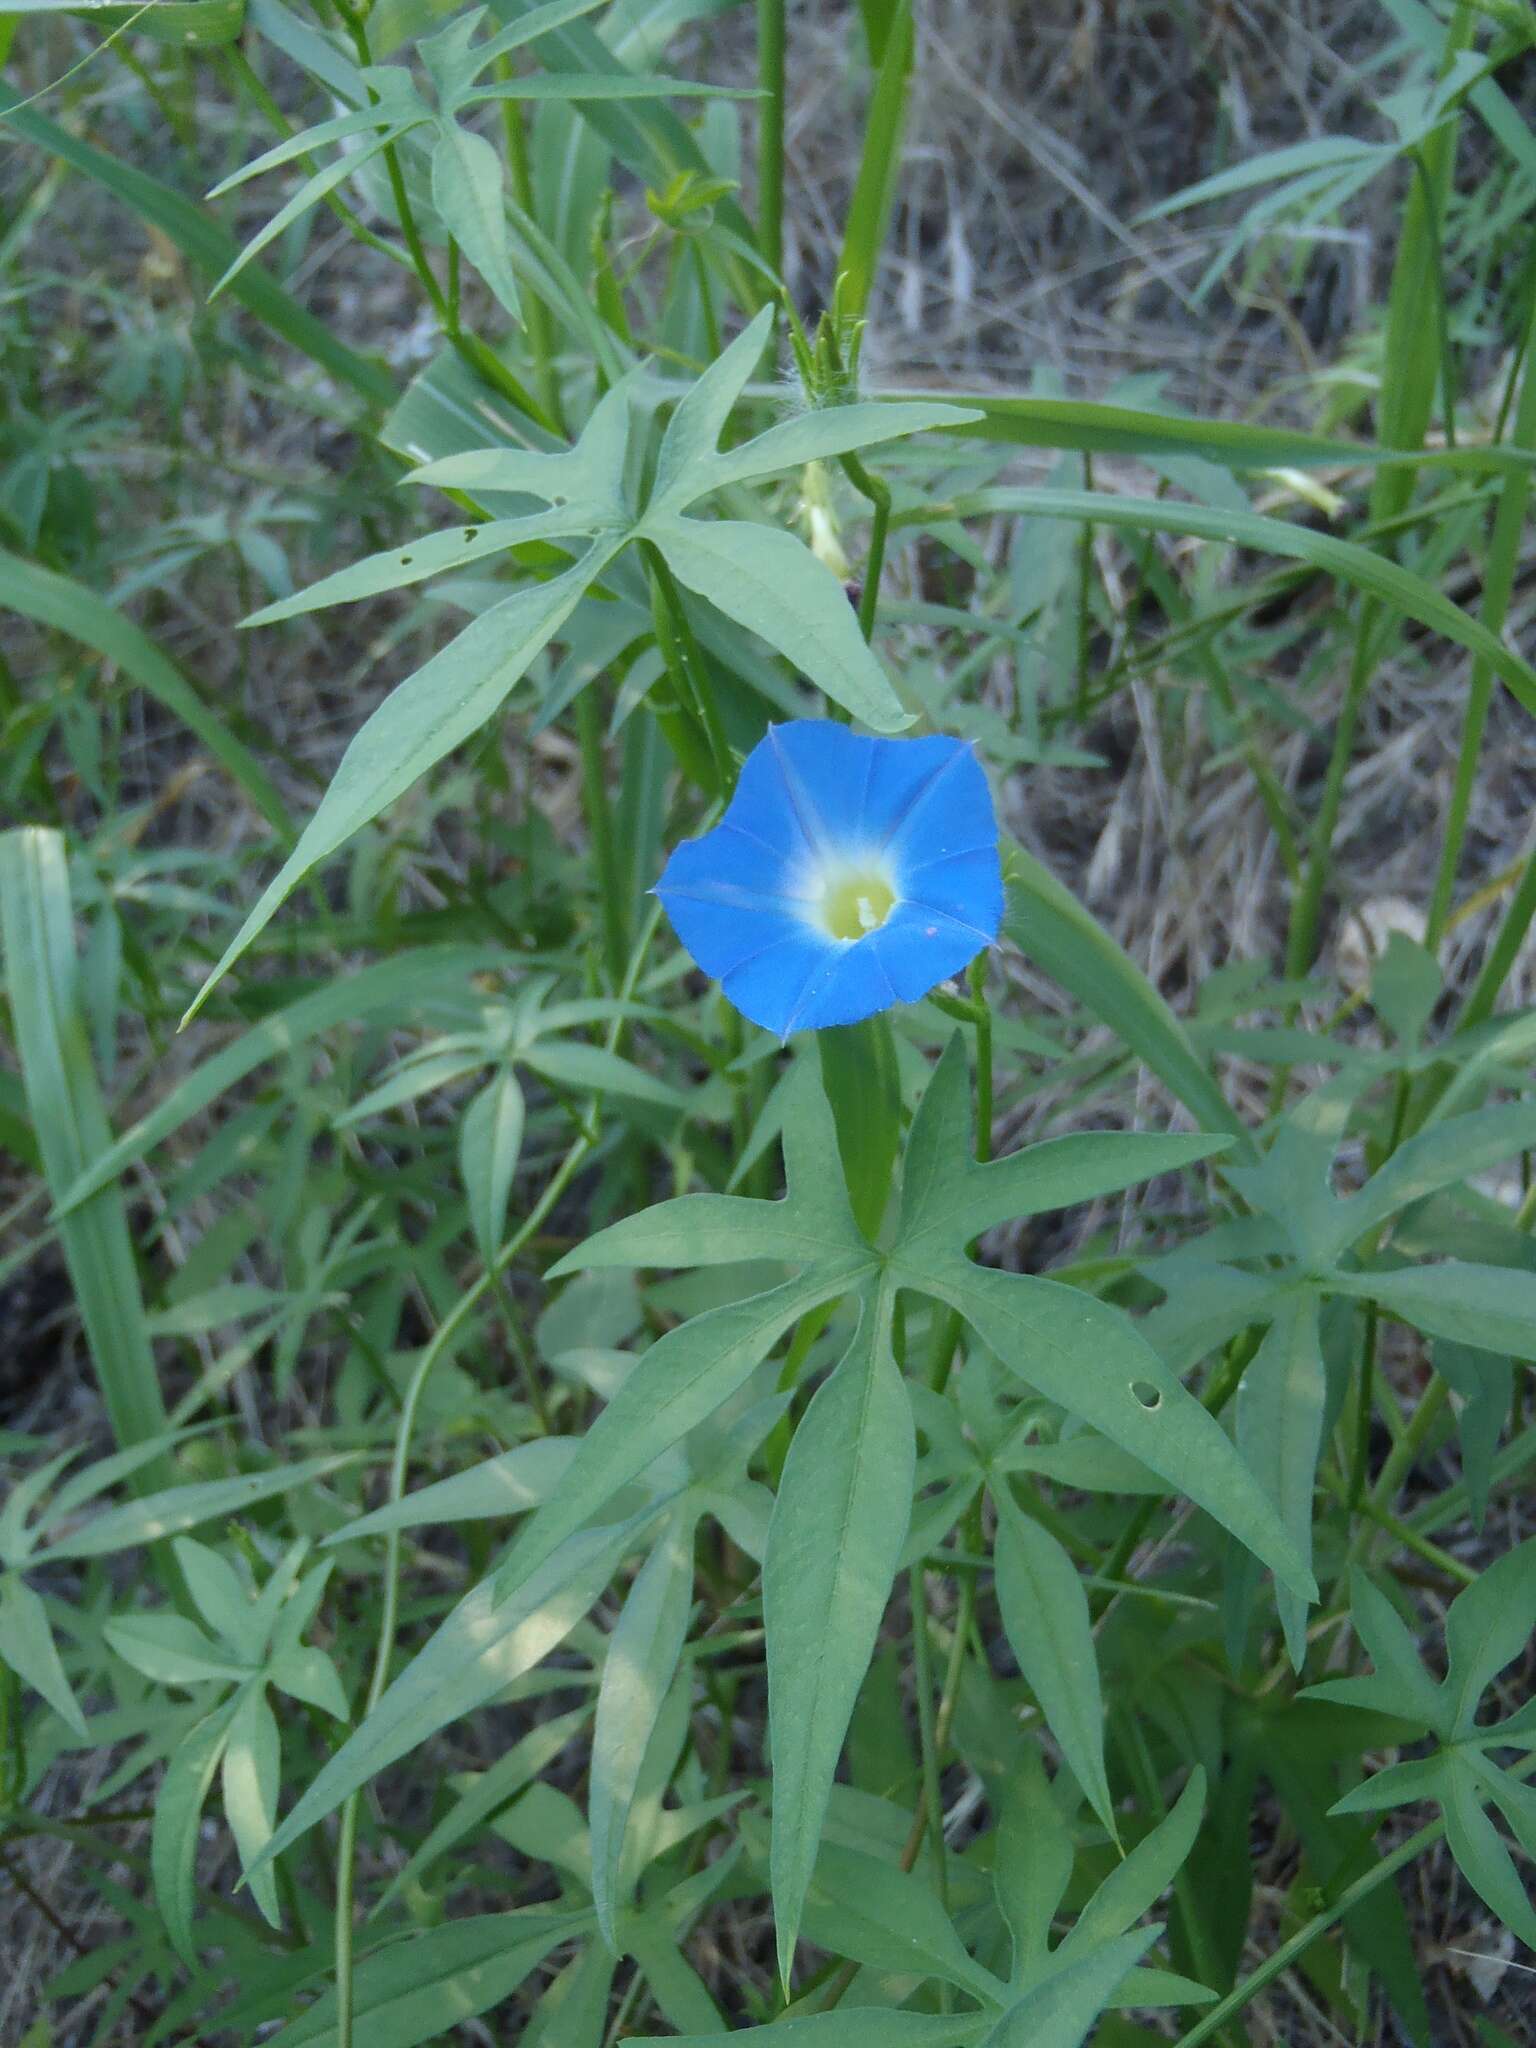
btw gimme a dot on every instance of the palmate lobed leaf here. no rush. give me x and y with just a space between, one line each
643 1653
1058 2012
1280 1408
1085 1356
491 1637
852 2027
946 1194
424 719
1491 1307
833 1547
1488 1625
1045 1616
27 1646
839 1523
406 1991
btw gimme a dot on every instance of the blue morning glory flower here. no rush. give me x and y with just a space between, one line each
846 875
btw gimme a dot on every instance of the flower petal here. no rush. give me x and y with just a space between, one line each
823 768
764 808
849 985
921 781
967 887
919 947
769 985
726 861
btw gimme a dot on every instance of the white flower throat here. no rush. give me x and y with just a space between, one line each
853 901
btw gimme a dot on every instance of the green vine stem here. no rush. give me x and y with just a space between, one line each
1504 552
405 1429
1291 1951
771 44
878 495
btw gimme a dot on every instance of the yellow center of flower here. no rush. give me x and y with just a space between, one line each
856 902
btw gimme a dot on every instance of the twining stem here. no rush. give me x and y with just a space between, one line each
1084 608
770 133
922 1677
1504 551
613 898
1301 940
245 77
355 22
983 1022
878 494
943 1721
1503 953
1289 1951
538 323
685 661
1407 401
576 1153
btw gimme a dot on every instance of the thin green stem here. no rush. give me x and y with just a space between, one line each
1502 954
1366 1387
1084 607
612 896
685 661
246 80
405 1428
1407 402
1301 941
978 978
1365 1391
1442 313
878 494
1504 555
1291 1951
1451 1567
1404 1454
922 1676
771 42
713 340
538 322
355 21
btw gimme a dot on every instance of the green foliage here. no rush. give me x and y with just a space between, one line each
531 1504
1488 1626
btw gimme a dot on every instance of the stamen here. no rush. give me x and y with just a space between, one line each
856 902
